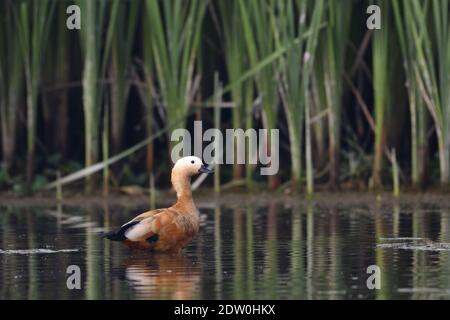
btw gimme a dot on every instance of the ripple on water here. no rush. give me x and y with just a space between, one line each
36 251
244 251
421 245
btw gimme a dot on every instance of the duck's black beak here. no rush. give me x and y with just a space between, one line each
205 169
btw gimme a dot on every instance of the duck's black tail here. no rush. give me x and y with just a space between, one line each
119 233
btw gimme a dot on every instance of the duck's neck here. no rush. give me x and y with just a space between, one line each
182 185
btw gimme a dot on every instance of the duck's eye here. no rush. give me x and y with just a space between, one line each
192 161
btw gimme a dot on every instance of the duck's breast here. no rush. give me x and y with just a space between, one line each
174 236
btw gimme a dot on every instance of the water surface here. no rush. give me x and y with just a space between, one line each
243 251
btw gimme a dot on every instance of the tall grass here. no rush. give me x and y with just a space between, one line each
147 95
430 25
96 55
287 56
32 30
296 70
120 67
11 82
237 64
333 56
426 49
381 48
417 107
174 35
258 29
55 96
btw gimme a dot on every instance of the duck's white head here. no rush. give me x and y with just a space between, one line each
190 166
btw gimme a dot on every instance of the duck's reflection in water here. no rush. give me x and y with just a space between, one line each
163 276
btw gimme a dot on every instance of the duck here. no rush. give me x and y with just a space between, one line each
167 229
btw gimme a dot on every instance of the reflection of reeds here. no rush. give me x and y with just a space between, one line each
250 274
382 257
336 278
444 258
94 268
106 252
238 244
297 272
9 223
33 266
419 258
271 252
218 253
310 251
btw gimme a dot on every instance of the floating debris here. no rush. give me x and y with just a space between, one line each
74 219
36 251
332 292
83 225
401 239
414 244
423 290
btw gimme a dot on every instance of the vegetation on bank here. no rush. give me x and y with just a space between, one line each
367 109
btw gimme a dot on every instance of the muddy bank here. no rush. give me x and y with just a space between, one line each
206 198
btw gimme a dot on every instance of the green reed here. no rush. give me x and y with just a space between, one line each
258 29
417 107
296 67
290 55
32 30
11 82
120 67
335 42
175 29
429 23
96 56
242 93
381 64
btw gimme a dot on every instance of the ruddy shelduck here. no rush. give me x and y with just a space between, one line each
169 229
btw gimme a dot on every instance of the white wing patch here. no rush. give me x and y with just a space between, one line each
139 231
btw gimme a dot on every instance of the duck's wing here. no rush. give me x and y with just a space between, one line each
149 227
119 234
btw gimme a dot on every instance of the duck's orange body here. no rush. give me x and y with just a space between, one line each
169 229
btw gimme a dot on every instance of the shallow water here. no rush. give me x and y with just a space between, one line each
243 252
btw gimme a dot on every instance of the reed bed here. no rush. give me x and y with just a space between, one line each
424 29
138 69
